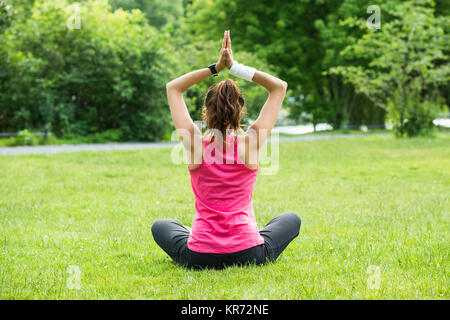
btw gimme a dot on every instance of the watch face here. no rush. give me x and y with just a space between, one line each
213 69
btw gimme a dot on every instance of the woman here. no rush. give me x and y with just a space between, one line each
223 166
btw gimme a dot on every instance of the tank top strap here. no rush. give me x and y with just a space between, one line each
235 154
207 144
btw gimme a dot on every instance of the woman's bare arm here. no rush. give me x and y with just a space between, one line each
175 89
269 112
186 128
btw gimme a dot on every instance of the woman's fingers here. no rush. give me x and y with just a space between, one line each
224 41
230 55
226 55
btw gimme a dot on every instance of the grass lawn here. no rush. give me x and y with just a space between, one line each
375 224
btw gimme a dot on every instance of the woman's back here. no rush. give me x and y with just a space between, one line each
223 189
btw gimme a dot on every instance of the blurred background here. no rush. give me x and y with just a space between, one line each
95 70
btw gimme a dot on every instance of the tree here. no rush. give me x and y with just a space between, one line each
405 62
108 74
158 12
5 15
300 40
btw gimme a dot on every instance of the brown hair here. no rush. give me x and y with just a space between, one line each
224 107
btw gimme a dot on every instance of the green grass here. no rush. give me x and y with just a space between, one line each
372 201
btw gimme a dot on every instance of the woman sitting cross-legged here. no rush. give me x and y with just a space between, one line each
223 165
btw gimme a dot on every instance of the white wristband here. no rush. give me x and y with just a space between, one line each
241 71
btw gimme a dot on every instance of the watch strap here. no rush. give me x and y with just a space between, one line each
213 69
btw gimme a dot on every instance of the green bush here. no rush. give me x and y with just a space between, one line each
413 115
402 66
107 75
109 136
25 138
112 135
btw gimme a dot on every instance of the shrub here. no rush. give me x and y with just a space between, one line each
25 138
108 74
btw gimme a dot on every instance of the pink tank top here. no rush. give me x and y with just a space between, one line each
223 188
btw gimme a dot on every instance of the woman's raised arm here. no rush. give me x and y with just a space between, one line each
268 115
269 112
186 128
175 89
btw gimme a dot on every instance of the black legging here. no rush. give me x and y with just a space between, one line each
172 237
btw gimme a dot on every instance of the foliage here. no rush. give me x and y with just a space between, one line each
301 40
25 138
106 75
5 15
404 64
110 73
159 12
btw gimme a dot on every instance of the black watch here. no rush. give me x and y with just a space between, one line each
213 69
